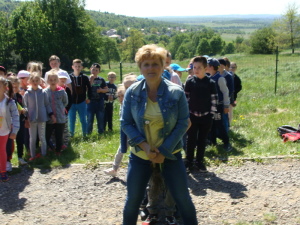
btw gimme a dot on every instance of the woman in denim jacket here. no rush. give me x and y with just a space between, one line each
154 118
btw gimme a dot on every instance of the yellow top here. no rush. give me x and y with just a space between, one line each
153 124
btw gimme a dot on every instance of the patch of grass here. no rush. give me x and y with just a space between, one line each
269 217
252 223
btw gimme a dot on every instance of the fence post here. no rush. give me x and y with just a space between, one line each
121 72
276 70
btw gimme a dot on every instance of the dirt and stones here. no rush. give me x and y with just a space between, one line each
264 193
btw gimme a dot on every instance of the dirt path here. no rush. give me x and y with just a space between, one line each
253 193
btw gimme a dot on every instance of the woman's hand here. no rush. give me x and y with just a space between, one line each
160 158
146 148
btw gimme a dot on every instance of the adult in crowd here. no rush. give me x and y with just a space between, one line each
154 118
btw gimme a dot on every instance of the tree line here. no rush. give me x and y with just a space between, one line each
34 30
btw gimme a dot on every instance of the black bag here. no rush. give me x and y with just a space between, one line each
286 129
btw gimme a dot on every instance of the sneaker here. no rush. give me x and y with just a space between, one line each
202 168
110 172
151 219
144 213
8 166
4 177
170 220
37 156
22 161
227 147
188 167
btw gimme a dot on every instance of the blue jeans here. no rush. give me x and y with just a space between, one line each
81 108
173 172
95 108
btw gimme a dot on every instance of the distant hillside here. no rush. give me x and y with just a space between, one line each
8 5
111 20
238 21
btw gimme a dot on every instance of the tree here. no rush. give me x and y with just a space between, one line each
238 43
74 33
32 30
152 38
229 49
175 43
6 40
263 41
203 48
216 44
165 39
132 44
60 27
110 51
288 27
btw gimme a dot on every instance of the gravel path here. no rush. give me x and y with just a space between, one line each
267 193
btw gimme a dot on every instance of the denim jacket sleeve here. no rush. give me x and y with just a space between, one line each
175 130
128 123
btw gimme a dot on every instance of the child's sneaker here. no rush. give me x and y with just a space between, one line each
8 166
150 220
110 172
170 220
35 157
22 161
4 177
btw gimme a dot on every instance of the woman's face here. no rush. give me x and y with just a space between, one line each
152 69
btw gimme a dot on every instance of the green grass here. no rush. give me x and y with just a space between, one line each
253 132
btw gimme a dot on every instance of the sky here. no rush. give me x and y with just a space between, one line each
157 8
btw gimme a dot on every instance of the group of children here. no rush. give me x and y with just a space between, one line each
37 110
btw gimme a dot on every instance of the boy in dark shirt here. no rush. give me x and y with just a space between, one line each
96 105
202 98
109 100
81 88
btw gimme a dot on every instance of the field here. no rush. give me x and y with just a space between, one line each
230 26
258 113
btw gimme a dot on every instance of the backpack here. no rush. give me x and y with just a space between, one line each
294 136
289 133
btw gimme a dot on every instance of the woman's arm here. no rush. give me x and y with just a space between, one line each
128 122
172 139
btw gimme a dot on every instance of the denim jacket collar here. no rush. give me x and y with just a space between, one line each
161 87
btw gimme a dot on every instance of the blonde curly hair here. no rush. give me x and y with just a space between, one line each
151 52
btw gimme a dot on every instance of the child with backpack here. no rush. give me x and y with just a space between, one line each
9 122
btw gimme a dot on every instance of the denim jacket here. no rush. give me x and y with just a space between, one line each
174 109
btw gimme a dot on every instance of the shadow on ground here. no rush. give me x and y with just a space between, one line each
9 191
